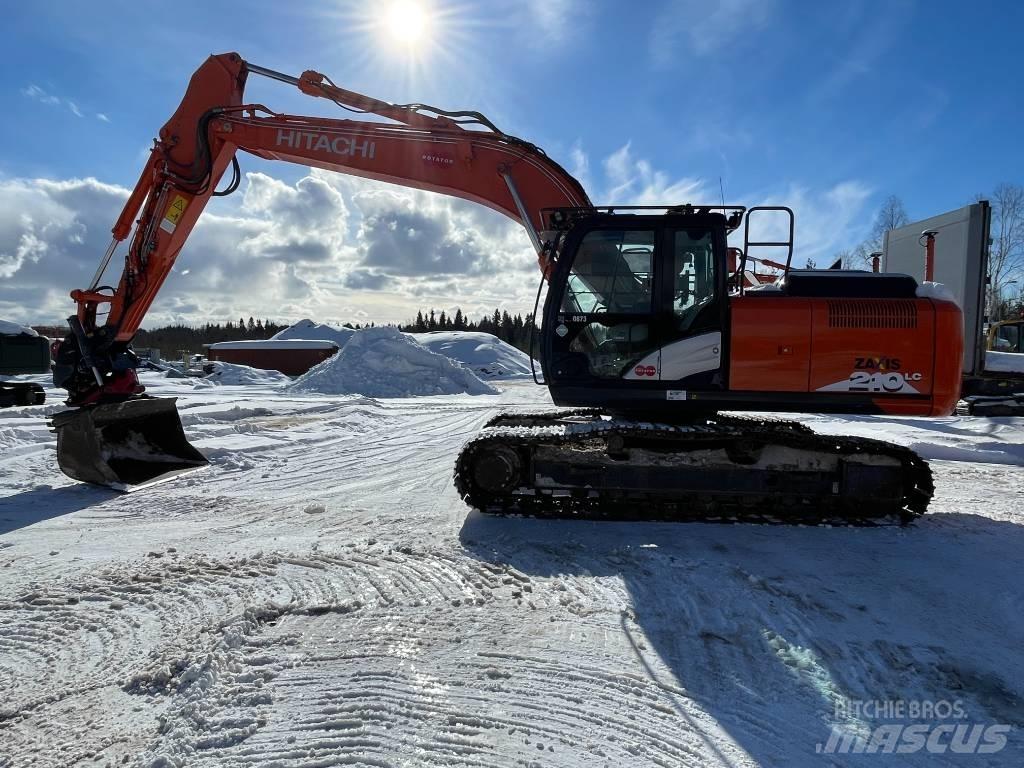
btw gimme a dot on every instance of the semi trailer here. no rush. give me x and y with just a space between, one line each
993 381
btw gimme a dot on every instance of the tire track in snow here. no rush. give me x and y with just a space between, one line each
172 627
338 458
237 655
405 673
374 580
409 691
368 653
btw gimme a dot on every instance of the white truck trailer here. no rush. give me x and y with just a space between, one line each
960 262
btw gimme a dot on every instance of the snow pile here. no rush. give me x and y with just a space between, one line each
308 330
939 291
487 356
236 375
1004 362
384 362
764 287
13 329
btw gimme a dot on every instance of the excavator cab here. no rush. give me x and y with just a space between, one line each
637 308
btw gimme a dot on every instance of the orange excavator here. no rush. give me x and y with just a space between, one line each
649 335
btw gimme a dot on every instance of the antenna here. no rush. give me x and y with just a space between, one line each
721 188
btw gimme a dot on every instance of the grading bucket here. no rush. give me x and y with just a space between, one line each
126 446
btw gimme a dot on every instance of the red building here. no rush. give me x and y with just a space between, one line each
292 357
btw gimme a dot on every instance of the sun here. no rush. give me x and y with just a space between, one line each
407 22
407 41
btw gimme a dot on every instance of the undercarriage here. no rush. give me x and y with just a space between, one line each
587 464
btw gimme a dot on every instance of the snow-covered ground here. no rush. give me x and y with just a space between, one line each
483 353
319 596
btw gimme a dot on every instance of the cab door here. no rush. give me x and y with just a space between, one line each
690 322
606 300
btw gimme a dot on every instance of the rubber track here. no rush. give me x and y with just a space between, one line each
548 429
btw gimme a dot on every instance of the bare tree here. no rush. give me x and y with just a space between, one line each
847 259
1006 256
892 215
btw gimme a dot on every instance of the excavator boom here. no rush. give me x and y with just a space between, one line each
424 148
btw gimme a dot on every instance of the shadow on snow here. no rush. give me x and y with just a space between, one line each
769 628
30 507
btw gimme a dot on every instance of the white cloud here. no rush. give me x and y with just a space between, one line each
304 223
827 221
555 21
580 165
332 247
703 27
633 181
876 29
29 246
102 117
33 91
339 248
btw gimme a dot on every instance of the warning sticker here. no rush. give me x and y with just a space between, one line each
174 213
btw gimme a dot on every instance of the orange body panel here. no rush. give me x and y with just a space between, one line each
949 354
770 354
881 346
904 353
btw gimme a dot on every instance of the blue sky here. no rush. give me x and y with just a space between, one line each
830 107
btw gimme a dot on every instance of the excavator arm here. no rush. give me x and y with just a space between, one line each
456 153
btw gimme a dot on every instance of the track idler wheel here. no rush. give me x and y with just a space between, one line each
497 470
615 446
744 452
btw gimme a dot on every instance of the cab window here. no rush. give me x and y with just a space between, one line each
693 278
1008 339
611 281
612 272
